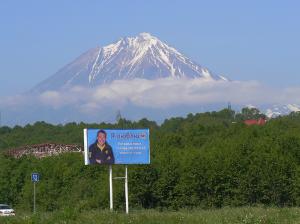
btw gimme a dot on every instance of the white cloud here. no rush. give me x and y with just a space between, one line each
161 94
166 93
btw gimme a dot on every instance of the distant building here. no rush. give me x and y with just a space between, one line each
44 150
260 121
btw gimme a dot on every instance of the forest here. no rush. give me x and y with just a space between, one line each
204 160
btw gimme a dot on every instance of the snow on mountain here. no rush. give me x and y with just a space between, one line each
143 56
280 110
293 107
273 111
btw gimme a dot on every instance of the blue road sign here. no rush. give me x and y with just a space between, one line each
35 177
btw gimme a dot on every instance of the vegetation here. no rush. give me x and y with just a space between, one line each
245 215
207 160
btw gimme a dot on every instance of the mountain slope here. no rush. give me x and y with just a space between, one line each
281 110
143 56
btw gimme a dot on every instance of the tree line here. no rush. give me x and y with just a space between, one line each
203 160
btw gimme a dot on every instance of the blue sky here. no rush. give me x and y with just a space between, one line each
253 40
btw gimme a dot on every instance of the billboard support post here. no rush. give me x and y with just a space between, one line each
110 189
126 190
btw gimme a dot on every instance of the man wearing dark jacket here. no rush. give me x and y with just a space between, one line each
101 151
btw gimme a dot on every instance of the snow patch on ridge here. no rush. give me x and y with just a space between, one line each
293 107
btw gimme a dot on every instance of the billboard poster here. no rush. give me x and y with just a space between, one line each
114 146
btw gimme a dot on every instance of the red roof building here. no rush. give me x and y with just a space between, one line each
260 121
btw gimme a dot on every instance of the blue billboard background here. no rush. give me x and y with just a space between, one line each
130 146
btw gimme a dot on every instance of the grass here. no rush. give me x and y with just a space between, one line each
244 215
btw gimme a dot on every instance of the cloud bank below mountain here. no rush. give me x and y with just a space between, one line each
139 98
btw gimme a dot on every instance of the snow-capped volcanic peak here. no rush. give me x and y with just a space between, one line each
143 56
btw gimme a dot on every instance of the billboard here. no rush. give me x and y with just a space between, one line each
111 146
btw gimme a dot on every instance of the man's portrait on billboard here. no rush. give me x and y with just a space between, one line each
100 151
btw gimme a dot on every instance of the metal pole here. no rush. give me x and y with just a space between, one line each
33 197
126 190
86 150
110 188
